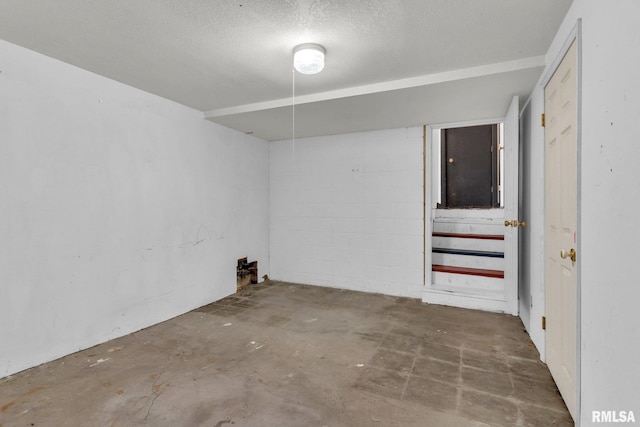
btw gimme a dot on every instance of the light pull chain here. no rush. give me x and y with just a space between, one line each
293 114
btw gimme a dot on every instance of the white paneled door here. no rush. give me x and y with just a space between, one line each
561 225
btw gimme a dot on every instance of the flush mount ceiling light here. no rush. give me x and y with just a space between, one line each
308 58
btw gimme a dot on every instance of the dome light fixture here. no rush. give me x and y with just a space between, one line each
308 58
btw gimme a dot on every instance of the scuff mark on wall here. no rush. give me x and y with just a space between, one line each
201 235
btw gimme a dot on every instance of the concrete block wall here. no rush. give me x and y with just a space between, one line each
346 211
119 209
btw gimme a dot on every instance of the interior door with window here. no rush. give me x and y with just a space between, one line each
472 225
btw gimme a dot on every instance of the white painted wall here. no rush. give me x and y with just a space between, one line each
609 238
347 211
118 209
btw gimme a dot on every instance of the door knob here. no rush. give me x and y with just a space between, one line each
571 255
515 223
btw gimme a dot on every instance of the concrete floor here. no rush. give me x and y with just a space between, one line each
280 354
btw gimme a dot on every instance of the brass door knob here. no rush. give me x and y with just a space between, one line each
515 223
571 255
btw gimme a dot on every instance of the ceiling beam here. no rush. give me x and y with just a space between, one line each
430 79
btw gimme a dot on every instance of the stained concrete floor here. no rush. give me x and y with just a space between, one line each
281 354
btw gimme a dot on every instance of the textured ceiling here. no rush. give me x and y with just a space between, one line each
389 62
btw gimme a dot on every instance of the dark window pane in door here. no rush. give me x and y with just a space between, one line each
469 167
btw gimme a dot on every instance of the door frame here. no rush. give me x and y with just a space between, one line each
575 35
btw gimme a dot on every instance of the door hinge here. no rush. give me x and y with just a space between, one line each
544 323
542 122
